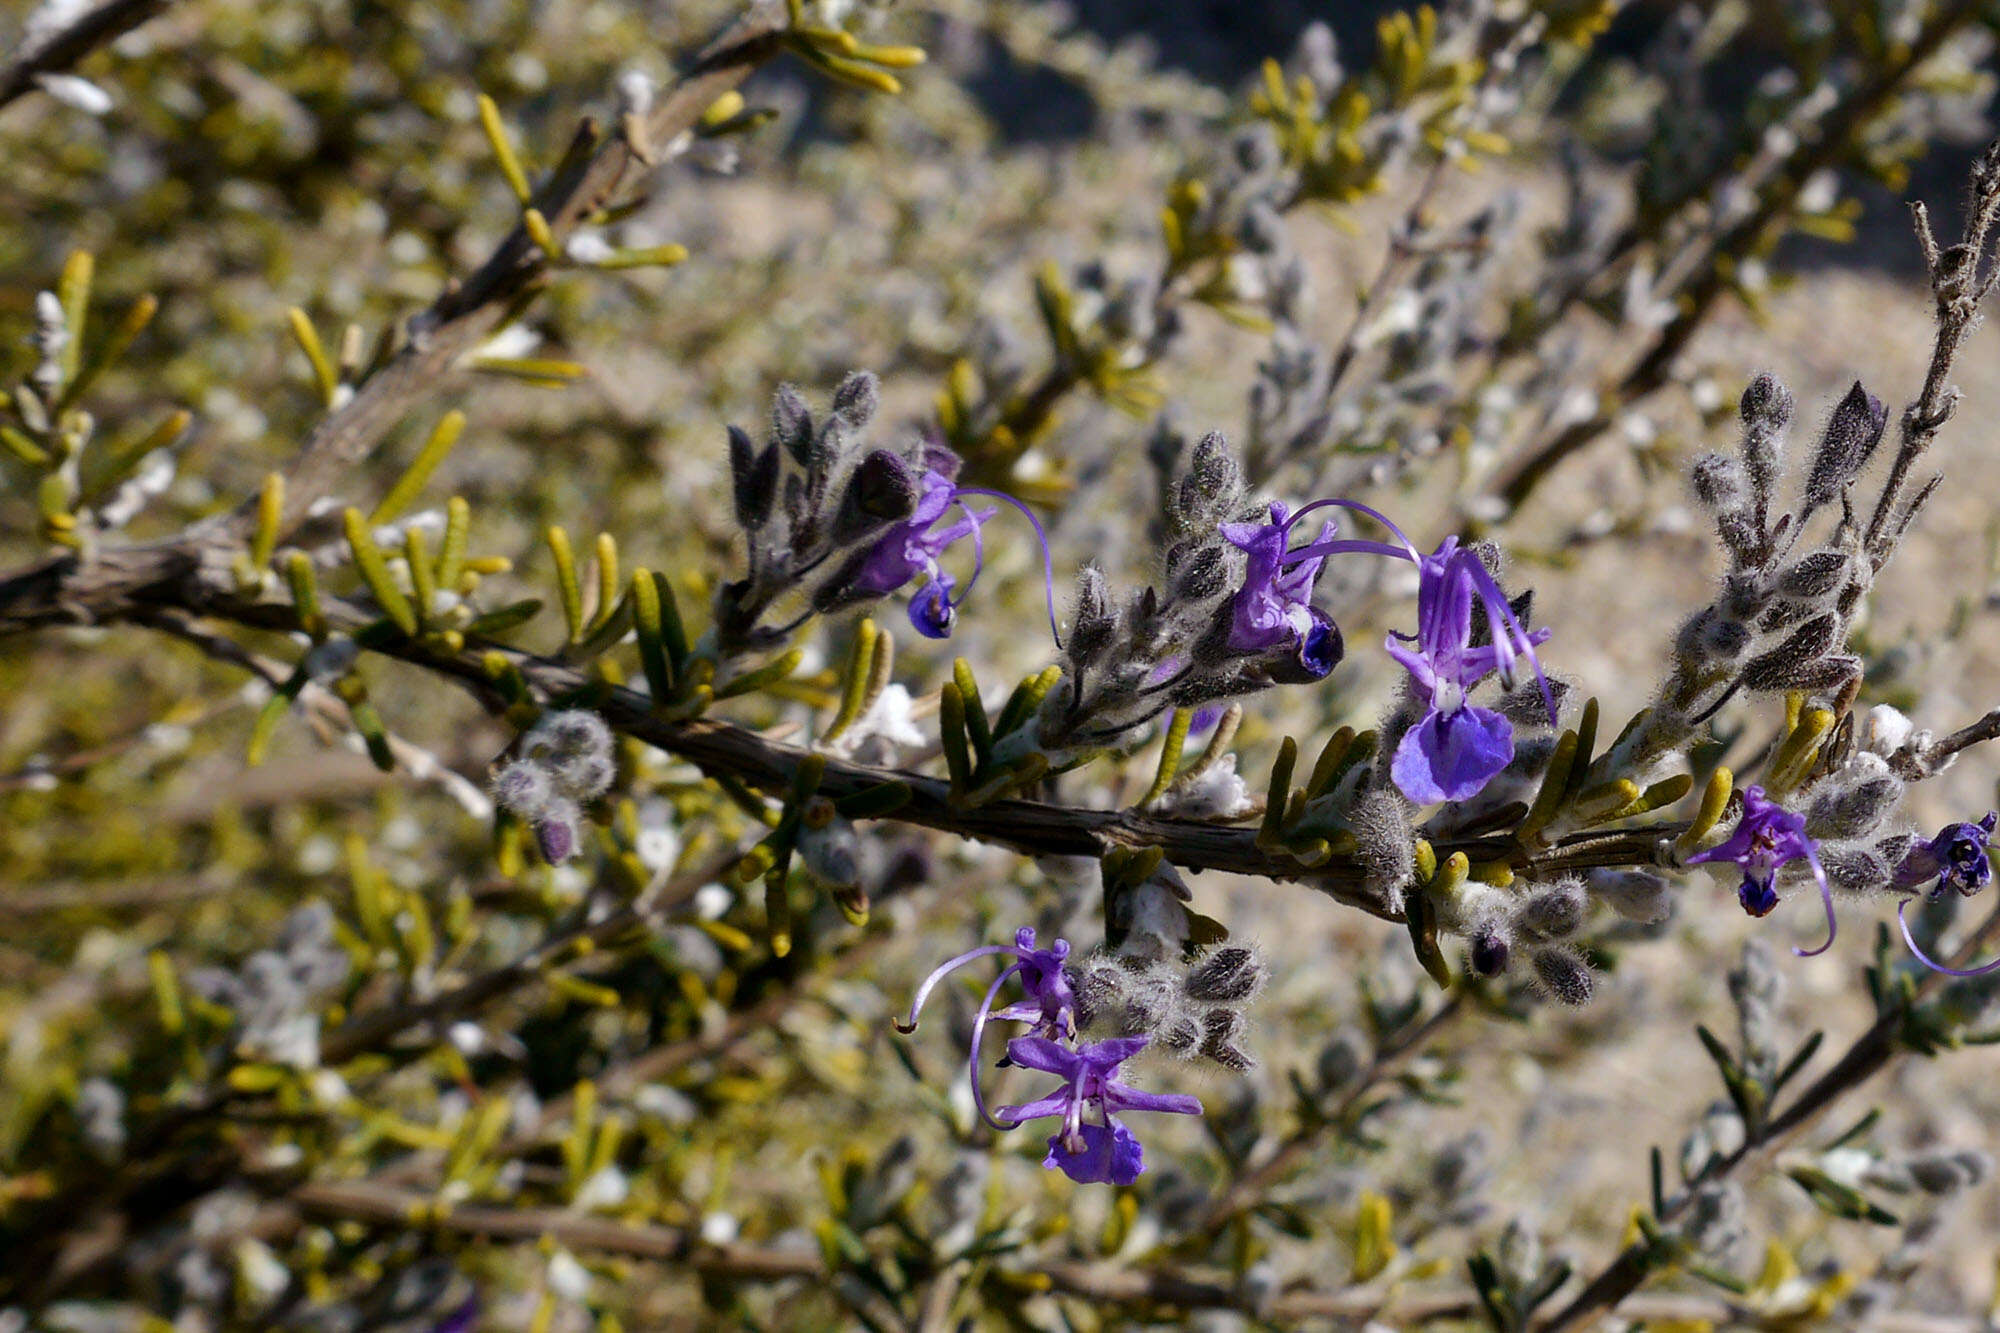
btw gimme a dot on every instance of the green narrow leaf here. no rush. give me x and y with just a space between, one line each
569 589
73 290
647 623
375 572
451 550
976 726
411 484
503 150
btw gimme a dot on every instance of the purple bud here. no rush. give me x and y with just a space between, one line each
1489 953
555 833
882 490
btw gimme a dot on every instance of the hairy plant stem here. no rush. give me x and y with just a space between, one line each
1869 1054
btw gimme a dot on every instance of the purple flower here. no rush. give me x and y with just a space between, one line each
1272 610
1958 857
1769 836
1090 1153
1050 1003
1456 748
915 546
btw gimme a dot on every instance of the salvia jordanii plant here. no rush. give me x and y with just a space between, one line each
660 675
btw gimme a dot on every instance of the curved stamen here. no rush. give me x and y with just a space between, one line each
949 965
978 1031
1825 896
1409 548
1496 602
978 554
1345 545
1924 958
1042 536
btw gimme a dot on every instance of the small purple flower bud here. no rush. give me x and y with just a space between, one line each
1489 953
555 833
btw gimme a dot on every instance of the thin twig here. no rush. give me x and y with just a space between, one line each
1255 1183
69 589
1650 372
53 55
1157 1289
1872 1052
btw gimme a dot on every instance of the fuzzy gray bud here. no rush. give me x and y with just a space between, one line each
1855 801
1721 639
569 732
523 788
1719 482
1766 403
753 479
1231 975
1564 974
1851 436
1636 895
1199 576
1854 868
1814 575
1386 847
1767 411
1099 987
1788 665
1943 1173
1555 910
1092 622
791 422
830 852
857 398
1210 488
583 777
1222 1032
